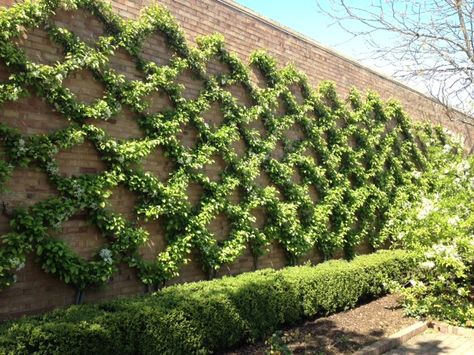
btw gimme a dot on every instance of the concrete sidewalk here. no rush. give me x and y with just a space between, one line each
434 342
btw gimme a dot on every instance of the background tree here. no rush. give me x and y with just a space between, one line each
429 43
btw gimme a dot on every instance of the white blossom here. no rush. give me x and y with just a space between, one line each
106 255
454 220
427 207
17 263
21 146
401 235
463 167
427 265
455 137
459 139
429 255
446 250
439 248
415 283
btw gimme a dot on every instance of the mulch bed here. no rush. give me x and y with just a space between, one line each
341 333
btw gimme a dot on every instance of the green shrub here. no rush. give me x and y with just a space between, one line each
440 228
444 288
206 316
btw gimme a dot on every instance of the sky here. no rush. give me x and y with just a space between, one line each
304 17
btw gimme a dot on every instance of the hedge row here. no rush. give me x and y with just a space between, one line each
202 317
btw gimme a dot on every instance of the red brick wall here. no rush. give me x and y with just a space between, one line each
37 291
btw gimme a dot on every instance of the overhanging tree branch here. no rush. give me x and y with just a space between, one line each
430 42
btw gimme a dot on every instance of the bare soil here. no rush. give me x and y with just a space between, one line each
341 333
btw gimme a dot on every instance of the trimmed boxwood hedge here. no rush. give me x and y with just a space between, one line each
203 317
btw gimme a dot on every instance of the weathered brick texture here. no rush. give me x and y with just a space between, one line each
37 291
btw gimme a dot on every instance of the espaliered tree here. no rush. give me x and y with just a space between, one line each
360 156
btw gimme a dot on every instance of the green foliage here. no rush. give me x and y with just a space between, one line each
440 228
364 157
208 316
276 345
443 288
